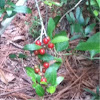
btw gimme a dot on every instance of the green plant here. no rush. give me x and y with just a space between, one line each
9 9
95 96
46 79
78 25
94 7
34 26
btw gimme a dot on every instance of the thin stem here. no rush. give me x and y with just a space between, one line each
43 31
70 10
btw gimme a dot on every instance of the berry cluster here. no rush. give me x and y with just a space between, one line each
48 44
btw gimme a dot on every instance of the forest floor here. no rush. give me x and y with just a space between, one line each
78 72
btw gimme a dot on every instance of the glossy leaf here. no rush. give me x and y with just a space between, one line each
22 9
51 89
2 3
61 46
12 56
88 46
56 20
38 78
46 57
89 91
9 11
39 90
59 80
96 13
21 55
93 53
51 27
60 37
56 65
72 16
58 59
93 43
72 29
75 37
30 72
44 83
51 75
87 20
32 47
89 28
70 20
79 16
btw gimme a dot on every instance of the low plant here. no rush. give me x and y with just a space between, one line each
95 96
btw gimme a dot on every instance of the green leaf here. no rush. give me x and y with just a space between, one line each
32 47
96 13
60 37
93 43
51 75
22 9
63 2
51 89
50 3
79 16
75 37
47 3
34 85
88 46
93 53
70 20
30 72
55 65
1 12
89 28
51 27
98 1
77 28
2 3
58 59
46 57
87 20
72 16
89 91
22 56
44 83
38 78
72 29
61 46
97 90
57 4
9 11
39 90
11 4
59 80
56 20
12 56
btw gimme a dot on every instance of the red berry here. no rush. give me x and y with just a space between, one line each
50 45
36 52
38 43
37 70
48 38
45 41
46 64
43 70
42 51
43 79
